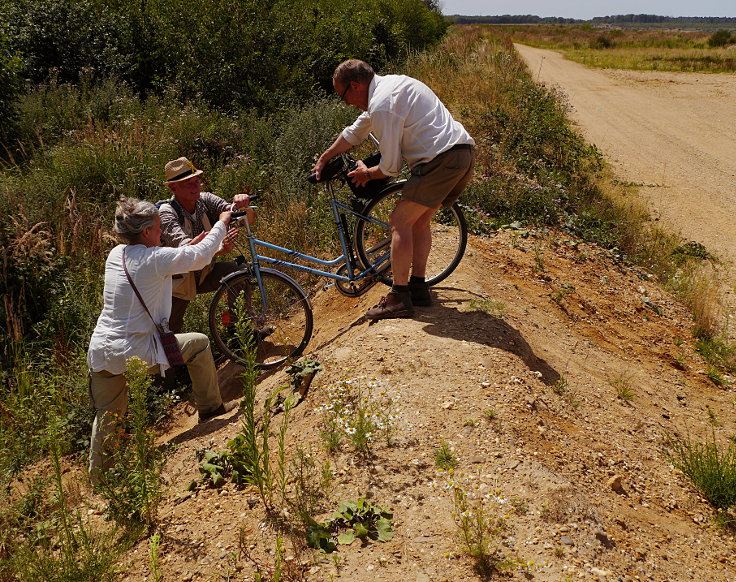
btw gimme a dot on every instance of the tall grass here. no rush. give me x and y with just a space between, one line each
47 536
132 486
711 469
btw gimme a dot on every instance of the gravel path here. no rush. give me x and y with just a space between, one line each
674 133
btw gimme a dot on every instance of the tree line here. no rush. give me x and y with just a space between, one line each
247 53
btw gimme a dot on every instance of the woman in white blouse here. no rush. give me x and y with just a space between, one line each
124 329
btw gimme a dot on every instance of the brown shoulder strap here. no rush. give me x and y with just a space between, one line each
135 289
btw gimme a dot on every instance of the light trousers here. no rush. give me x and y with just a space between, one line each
109 394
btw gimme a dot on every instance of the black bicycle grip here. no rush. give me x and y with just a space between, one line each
331 169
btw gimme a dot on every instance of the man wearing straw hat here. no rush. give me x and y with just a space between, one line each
185 220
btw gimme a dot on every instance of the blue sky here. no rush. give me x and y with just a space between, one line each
586 9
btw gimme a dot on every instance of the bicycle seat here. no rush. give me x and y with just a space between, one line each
331 169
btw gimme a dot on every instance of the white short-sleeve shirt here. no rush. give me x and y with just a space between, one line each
409 121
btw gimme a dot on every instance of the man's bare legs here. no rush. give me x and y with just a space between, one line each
411 240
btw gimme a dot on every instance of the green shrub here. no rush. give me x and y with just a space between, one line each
67 37
277 50
720 38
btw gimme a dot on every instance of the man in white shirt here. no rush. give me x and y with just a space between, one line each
412 125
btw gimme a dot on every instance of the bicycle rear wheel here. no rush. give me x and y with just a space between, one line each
279 320
373 239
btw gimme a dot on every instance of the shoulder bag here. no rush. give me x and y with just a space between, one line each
168 338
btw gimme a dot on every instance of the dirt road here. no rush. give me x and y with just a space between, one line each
674 133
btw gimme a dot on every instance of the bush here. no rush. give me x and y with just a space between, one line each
601 42
277 51
720 38
66 37
10 65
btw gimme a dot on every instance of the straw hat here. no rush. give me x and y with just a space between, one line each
180 169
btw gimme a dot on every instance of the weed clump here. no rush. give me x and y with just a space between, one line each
132 486
711 470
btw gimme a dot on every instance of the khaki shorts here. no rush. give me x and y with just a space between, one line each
441 180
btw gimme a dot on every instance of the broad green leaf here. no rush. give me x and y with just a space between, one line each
217 479
383 526
346 538
360 530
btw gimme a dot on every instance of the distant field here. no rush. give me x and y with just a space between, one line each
645 49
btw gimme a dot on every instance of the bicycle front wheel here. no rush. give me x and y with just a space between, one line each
278 320
373 237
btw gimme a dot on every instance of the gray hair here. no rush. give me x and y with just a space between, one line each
132 217
353 70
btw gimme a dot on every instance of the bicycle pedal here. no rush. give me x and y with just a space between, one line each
327 285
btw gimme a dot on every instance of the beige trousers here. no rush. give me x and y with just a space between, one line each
109 395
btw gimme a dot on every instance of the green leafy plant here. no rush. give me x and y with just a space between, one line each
622 385
352 520
214 469
301 375
478 529
444 458
539 266
715 376
153 557
560 387
564 290
717 352
251 446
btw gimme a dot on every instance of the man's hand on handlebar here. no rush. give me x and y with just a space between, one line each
226 216
318 167
242 200
360 174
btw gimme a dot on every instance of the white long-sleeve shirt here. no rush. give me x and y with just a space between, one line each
124 329
409 121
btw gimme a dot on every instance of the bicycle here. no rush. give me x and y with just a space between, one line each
277 311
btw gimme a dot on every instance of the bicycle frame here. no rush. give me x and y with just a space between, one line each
339 211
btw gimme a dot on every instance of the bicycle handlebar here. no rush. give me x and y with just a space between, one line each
336 166
237 214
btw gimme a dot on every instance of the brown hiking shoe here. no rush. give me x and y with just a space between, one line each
219 411
420 296
392 305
